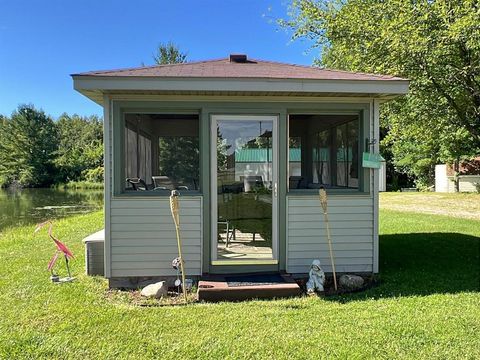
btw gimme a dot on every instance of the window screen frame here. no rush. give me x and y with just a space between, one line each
118 151
363 173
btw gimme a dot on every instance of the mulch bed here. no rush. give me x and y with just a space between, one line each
133 297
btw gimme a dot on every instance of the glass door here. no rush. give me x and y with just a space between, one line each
244 189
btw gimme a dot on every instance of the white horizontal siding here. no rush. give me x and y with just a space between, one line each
152 258
340 216
148 210
467 183
339 246
156 224
149 204
339 239
143 237
316 210
151 268
139 249
335 232
351 225
334 224
160 219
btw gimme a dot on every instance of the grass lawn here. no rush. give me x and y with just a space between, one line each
426 306
462 205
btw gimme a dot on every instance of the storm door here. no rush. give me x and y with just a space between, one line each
244 189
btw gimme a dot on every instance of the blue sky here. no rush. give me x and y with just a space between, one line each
42 42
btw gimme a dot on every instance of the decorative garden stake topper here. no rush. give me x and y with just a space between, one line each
61 248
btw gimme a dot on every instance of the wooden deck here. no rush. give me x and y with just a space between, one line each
223 288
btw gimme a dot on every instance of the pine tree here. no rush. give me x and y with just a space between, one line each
169 53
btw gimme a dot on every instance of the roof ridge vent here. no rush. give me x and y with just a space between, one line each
238 58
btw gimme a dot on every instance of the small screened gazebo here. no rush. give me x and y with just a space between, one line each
247 143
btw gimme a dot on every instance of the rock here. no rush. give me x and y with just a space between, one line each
156 290
351 282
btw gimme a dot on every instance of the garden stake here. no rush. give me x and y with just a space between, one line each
68 267
323 200
176 219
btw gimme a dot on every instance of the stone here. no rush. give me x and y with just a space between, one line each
157 290
351 282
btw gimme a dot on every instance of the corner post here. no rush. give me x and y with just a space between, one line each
376 149
107 174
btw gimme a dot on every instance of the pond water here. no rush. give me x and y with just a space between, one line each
31 206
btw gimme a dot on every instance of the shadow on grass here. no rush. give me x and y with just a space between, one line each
420 264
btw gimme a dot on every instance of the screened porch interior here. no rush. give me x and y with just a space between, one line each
161 152
324 151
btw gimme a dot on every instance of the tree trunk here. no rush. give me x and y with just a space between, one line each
457 171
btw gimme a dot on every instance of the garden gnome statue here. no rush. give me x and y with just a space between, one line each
316 279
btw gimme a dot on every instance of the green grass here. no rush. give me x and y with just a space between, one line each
426 306
460 205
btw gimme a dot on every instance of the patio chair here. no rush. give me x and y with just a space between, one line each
138 184
230 230
161 182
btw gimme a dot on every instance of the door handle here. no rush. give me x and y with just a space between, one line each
275 189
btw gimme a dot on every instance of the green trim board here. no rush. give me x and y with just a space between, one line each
205 186
282 188
205 110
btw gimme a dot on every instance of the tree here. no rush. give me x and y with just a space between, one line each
80 151
180 158
180 165
436 44
28 141
222 152
169 53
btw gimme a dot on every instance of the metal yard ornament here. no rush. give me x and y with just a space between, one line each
174 208
176 265
61 248
324 202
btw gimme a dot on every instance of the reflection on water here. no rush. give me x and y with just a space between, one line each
31 206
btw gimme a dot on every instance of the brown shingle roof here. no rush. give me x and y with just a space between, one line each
223 68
